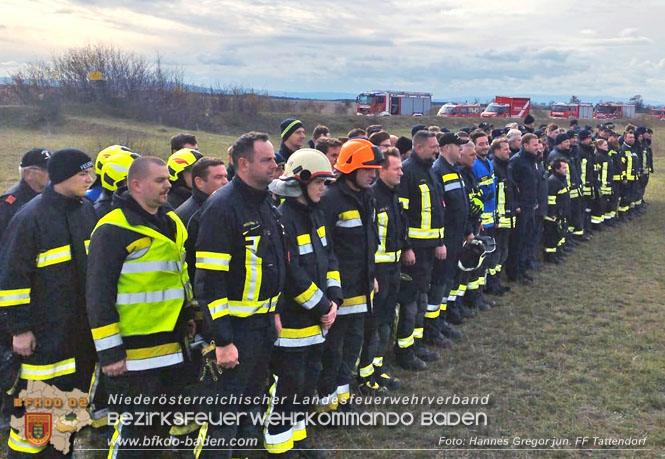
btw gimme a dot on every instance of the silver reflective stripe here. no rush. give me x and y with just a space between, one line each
108 342
355 309
305 249
151 297
324 241
299 342
333 283
314 300
24 296
150 266
154 362
452 186
433 307
351 223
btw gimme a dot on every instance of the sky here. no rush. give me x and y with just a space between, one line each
601 49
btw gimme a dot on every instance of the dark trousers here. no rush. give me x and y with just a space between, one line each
248 379
379 322
534 238
502 240
551 237
577 216
150 383
518 251
296 373
341 350
413 298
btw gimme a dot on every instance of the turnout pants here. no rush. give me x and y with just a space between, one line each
413 299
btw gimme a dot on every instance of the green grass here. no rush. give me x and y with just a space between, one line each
578 353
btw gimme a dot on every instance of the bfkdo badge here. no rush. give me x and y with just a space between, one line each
38 428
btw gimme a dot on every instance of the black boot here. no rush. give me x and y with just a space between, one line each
407 360
424 354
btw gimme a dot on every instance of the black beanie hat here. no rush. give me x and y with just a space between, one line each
417 127
67 163
289 126
404 144
560 138
529 119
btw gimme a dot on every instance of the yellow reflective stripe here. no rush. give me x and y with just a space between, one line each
488 181
253 270
551 200
332 279
366 371
214 261
355 300
382 227
420 233
321 231
314 330
387 257
86 243
451 176
426 207
310 297
248 308
418 333
105 331
405 342
304 239
54 256
155 351
405 203
18 443
219 308
500 199
304 244
349 215
200 440
14 297
49 371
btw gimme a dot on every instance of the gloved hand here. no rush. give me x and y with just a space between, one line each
476 207
210 363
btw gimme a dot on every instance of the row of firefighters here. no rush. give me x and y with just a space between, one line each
297 286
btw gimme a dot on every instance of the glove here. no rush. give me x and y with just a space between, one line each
210 363
476 207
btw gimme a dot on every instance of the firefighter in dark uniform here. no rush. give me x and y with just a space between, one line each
114 176
617 180
308 305
642 150
292 135
392 227
180 174
34 177
586 153
350 220
600 210
628 175
648 160
555 225
240 271
421 194
137 287
42 284
505 209
457 229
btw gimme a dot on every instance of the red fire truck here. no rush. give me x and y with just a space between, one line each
612 111
508 107
460 110
387 103
658 114
578 111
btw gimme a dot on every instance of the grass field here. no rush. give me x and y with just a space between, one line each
580 353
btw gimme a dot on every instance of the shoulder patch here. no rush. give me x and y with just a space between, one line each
11 199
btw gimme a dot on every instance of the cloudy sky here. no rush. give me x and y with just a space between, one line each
450 48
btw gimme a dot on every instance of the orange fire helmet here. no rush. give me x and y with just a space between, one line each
358 154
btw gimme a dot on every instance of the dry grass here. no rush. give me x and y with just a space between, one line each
578 353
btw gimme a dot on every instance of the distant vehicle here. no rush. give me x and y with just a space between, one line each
386 103
577 111
611 111
507 107
658 114
460 110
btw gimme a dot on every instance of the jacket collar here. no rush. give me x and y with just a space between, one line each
58 200
251 195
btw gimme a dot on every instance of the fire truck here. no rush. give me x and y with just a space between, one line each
658 114
578 111
507 107
385 103
460 110
610 111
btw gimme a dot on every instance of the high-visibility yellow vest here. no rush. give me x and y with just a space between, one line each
154 283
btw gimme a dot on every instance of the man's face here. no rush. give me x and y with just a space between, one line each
296 140
503 153
428 150
217 178
36 176
154 188
572 142
629 138
541 148
531 147
78 184
565 145
315 189
586 141
365 177
261 169
515 142
452 151
385 145
392 174
333 154
467 155
279 171
482 147
563 170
